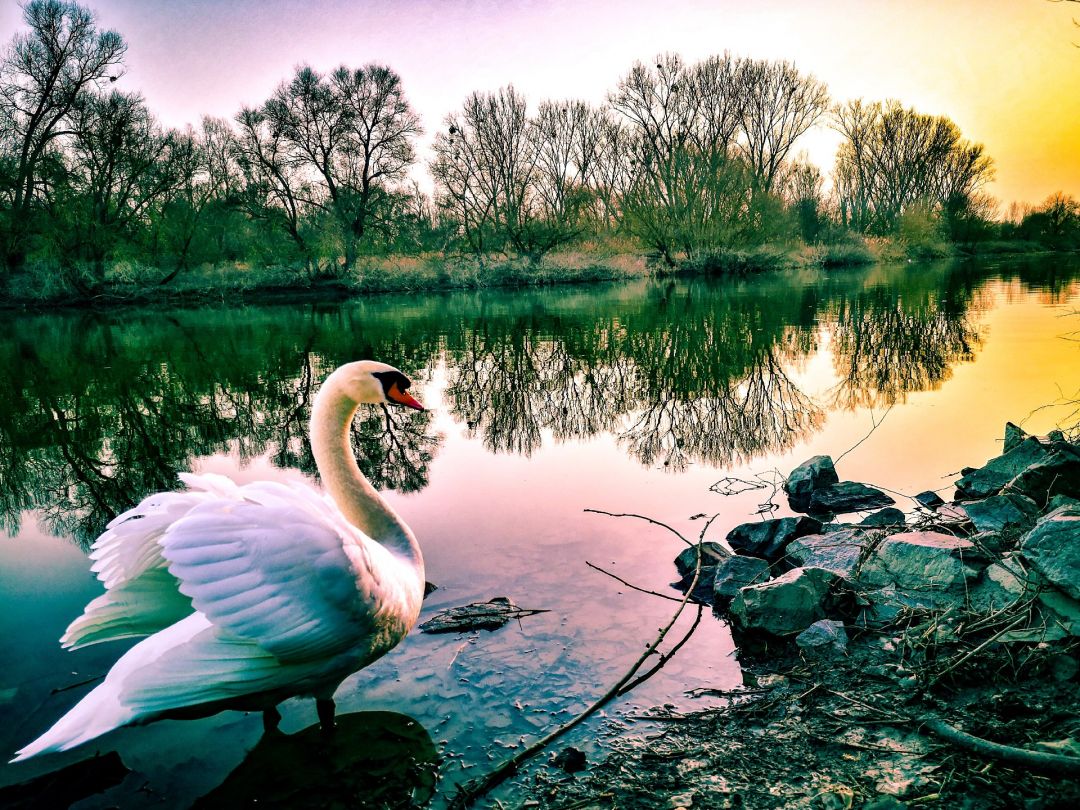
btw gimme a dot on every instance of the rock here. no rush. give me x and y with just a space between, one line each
838 552
918 561
996 473
711 554
1053 549
930 499
1000 585
1057 502
848 496
889 516
737 572
824 639
1000 512
786 605
1014 434
812 474
768 538
1058 473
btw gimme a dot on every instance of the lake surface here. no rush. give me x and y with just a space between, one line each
625 398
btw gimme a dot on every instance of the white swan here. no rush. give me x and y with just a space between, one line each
292 590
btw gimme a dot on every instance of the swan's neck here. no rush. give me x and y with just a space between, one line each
331 420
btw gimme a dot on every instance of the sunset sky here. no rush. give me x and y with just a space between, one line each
1007 71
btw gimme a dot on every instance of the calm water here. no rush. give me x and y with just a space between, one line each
628 398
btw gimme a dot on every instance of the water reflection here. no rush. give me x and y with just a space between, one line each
101 410
374 759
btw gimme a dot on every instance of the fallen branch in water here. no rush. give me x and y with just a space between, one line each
470 791
1038 761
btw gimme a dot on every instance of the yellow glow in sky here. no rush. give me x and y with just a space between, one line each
1007 71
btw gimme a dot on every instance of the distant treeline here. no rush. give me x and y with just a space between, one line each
684 161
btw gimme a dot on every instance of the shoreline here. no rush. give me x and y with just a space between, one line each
938 664
437 274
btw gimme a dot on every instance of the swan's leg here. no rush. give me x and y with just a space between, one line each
271 718
325 707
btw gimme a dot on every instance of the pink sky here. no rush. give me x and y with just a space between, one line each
1006 71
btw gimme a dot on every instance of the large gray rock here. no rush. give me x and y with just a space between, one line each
838 552
825 638
919 561
768 538
737 572
996 473
786 605
930 499
812 474
1058 473
999 512
848 496
1053 549
1014 434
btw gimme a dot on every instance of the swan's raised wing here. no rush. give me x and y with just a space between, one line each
273 568
141 596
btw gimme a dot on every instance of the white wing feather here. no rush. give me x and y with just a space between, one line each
275 572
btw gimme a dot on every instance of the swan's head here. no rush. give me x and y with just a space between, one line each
371 383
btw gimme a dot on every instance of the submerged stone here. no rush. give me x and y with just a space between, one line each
768 538
849 496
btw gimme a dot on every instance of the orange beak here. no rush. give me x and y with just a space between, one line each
403 398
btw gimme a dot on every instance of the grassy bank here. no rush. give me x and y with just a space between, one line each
43 284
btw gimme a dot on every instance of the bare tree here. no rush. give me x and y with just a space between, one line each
120 165
273 187
893 158
43 74
354 129
779 105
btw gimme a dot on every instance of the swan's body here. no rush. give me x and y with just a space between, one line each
250 594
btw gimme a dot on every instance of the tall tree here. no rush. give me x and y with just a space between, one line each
43 74
355 130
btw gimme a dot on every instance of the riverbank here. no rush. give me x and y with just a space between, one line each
43 286
926 659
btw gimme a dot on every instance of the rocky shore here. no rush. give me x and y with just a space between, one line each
925 657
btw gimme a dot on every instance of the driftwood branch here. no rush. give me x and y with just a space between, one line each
470 791
1037 761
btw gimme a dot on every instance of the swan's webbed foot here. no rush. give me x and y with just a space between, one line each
271 718
325 707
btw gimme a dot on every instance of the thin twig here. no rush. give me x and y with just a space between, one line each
1015 623
646 519
632 586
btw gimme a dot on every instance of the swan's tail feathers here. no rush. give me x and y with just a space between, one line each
99 712
140 607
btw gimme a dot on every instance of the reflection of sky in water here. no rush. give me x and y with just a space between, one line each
504 523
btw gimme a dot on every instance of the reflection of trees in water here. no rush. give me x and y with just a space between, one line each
680 374
103 412
764 412
888 342
97 411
